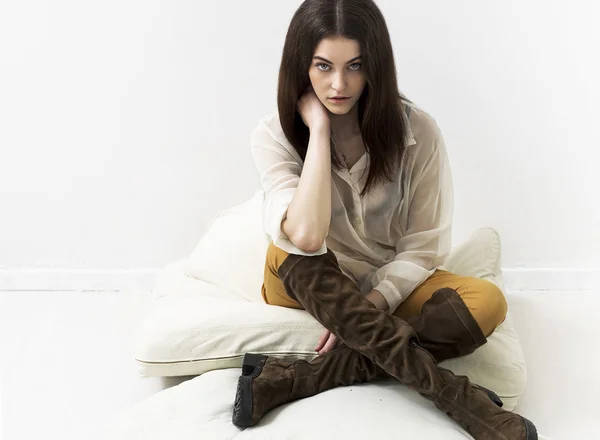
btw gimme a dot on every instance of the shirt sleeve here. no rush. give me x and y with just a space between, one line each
427 241
279 171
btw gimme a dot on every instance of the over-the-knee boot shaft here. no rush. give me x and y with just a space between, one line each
334 300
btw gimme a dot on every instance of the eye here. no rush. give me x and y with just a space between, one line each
357 66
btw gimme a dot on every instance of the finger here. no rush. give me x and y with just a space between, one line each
330 345
322 341
324 337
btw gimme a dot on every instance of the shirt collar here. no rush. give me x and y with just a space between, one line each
365 160
410 138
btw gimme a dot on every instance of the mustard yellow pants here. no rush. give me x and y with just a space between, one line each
484 299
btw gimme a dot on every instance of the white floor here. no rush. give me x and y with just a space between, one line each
66 365
67 371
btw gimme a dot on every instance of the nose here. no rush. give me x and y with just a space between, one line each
339 82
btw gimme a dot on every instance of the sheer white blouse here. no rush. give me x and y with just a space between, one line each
394 238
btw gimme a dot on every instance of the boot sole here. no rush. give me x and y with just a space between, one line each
242 407
530 430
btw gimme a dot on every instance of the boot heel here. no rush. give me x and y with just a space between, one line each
493 396
242 407
531 431
252 362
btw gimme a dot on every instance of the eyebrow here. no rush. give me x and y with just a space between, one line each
327 61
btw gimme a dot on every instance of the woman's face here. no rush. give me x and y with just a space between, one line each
336 70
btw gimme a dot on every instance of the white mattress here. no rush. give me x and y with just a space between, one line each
201 408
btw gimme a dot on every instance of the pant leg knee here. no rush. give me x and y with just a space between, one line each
273 292
489 305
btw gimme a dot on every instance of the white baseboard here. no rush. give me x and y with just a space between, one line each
143 279
551 279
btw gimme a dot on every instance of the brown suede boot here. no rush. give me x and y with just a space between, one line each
267 382
445 326
334 300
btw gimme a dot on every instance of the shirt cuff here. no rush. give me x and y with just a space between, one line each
390 293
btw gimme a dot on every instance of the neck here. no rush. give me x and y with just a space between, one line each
345 126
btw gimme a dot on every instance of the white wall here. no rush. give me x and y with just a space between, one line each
124 126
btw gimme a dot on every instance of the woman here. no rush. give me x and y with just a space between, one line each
359 209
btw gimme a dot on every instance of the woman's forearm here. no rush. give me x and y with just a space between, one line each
309 214
378 299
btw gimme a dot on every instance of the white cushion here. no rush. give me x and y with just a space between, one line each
500 363
199 325
235 242
201 408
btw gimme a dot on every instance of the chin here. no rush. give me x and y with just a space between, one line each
339 109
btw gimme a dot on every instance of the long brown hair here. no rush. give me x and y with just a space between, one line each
380 118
